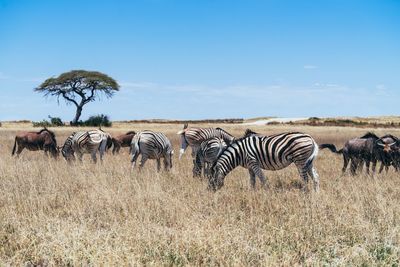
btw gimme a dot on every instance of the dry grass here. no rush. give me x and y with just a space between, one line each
52 213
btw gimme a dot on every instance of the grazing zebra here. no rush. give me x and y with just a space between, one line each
194 136
86 143
207 154
273 152
151 145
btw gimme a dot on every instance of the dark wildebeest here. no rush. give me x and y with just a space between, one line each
34 141
389 151
357 151
123 140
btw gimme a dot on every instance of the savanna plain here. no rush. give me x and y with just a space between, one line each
52 213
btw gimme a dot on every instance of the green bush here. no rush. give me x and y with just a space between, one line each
96 121
54 122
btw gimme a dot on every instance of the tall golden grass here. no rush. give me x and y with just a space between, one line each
52 213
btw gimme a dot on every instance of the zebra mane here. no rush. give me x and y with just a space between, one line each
249 132
369 135
222 130
130 132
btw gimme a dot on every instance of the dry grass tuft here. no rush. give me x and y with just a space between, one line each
52 213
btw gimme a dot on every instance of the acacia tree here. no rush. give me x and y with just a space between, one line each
79 87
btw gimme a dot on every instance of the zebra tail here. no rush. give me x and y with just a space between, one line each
332 148
134 149
314 154
15 146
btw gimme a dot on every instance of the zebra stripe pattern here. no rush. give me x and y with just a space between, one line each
193 137
151 145
207 154
85 143
269 153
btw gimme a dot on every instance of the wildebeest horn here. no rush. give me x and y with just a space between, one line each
380 144
391 144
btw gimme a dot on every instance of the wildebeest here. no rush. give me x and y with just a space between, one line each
34 141
123 140
356 151
388 147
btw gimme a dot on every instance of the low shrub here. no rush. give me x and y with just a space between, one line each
96 121
54 122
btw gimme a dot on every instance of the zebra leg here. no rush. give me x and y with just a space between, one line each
143 161
314 175
303 172
158 165
252 178
258 172
207 169
133 160
80 155
102 150
94 157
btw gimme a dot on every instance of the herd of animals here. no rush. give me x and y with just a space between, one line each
216 152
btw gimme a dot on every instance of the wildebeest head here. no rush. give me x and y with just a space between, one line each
50 142
388 143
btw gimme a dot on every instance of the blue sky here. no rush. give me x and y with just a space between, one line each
183 59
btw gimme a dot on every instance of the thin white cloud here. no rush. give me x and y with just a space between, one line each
309 67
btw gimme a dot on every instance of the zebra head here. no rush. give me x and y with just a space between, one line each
67 151
216 180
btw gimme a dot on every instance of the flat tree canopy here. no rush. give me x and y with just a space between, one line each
79 87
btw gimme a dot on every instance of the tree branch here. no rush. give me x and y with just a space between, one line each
64 94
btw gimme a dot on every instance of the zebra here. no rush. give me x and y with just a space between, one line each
86 143
152 145
207 154
194 136
273 152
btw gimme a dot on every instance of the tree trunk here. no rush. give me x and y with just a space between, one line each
77 115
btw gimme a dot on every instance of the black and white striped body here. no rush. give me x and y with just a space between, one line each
269 153
193 137
89 142
207 154
151 145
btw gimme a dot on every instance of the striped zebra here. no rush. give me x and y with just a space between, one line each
89 142
207 154
273 152
151 145
193 137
